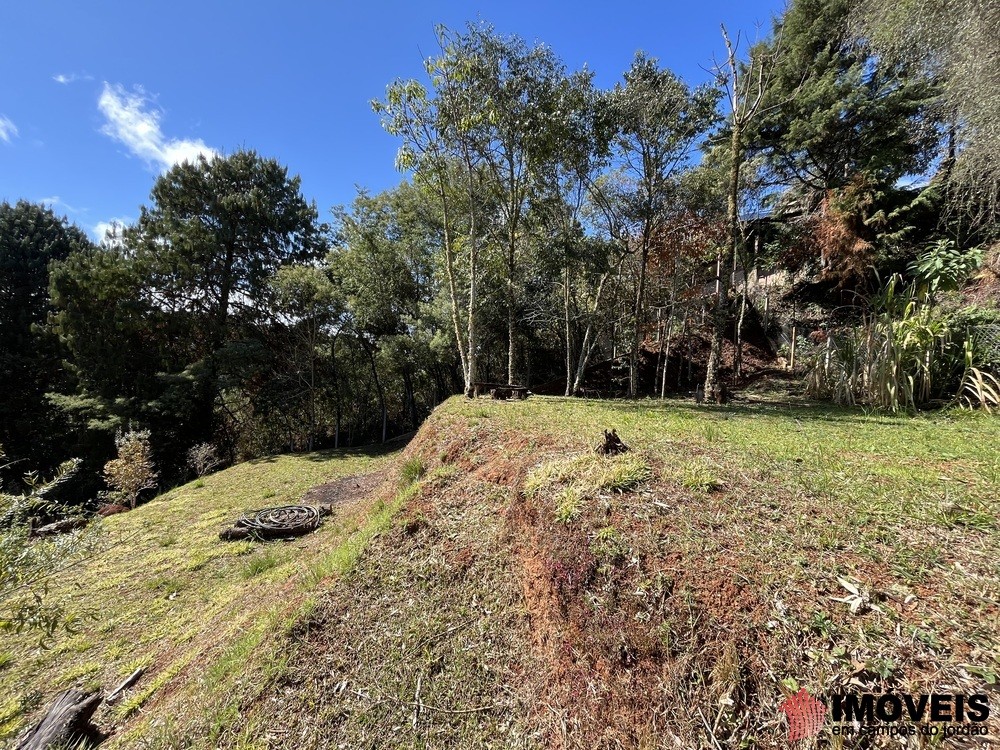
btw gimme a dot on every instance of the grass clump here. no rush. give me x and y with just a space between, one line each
411 471
589 475
609 545
569 503
255 566
698 476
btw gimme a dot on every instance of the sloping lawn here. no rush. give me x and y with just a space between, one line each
166 594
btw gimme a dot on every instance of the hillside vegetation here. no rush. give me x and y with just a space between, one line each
533 594
517 590
203 616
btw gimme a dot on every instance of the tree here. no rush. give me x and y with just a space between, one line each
660 119
31 238
958 44
744 89
133 470
831 110
163 322
526 104
218 229
311 310
437 147
379 279
562 203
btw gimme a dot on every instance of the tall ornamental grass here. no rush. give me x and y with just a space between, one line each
904 356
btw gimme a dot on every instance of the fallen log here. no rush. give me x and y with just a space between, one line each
59 527
66 723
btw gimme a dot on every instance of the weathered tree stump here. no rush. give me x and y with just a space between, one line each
234 533
612 445
66 723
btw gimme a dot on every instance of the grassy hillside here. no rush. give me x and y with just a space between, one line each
533 594
204 616
506 587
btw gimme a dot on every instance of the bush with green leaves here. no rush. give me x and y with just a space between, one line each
133 471
27 564
943 266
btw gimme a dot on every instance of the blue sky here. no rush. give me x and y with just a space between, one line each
98 98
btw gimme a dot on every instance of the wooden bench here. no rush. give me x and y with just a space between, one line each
500 391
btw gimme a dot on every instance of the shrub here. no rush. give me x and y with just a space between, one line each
26 564
202 458
133 471
906 355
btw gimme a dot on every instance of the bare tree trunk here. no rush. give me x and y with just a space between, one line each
336 385
738 356
569 338
640 294
745 92
411 400
449 265
378 389
511 301
665 346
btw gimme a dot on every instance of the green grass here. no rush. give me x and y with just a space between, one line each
783 501
870 542
167 594
411 471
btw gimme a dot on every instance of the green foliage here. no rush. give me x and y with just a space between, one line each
31 238
832 110
943 267
26 564
906 354
956 45
132 471
170 326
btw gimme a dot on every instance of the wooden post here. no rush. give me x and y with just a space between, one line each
791 361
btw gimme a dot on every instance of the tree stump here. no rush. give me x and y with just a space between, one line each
66 723
612 445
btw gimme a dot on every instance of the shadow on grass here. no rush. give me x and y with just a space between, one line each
801 411
326 454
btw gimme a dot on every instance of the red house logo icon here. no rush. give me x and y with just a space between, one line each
805 715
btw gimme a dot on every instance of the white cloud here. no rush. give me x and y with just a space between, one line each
132 121
54 202
99 232
71 78
8 130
